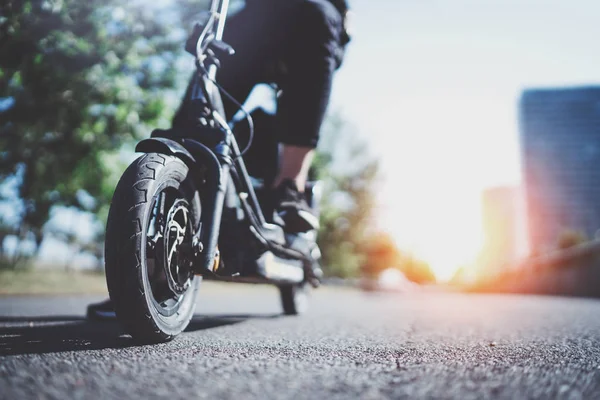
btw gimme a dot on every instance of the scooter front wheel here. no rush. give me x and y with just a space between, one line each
153 216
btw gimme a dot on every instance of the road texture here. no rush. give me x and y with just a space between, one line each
351 345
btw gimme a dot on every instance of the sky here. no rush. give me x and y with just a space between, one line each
434 85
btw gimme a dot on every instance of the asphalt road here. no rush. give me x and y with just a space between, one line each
351 345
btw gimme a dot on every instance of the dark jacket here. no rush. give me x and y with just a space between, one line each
341 5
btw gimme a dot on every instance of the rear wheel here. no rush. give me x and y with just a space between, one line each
153 216
294 298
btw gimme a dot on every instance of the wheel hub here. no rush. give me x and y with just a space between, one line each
177 233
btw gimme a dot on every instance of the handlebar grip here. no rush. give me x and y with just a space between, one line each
220 47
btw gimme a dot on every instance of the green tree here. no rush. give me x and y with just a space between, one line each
77 79
381 253
349 174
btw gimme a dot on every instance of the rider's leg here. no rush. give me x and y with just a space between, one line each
294 165
306 36
312 56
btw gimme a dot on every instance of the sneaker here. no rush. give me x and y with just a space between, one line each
101 311
293 209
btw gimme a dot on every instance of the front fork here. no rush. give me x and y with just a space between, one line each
211 179
207 236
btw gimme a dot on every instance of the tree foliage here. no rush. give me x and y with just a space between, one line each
77 79
349 174
382 253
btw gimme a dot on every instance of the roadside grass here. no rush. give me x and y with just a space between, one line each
55 281
37 281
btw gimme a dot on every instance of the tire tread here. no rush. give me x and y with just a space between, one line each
122 251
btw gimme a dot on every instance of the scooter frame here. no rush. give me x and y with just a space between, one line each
215 161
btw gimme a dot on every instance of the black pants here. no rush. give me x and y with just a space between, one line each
296 44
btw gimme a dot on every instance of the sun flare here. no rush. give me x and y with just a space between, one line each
446 239
444 231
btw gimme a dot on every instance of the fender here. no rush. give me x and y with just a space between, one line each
192 153
166 146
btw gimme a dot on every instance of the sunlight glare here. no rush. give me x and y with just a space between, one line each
431 196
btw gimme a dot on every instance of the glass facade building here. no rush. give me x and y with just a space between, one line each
560 144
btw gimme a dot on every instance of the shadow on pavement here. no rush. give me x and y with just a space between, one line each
202 322
39 335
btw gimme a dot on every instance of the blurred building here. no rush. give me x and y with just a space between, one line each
504 229
560 143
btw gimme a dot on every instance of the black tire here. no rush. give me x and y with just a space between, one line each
294 299
128 250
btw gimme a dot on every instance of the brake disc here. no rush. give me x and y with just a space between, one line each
177 231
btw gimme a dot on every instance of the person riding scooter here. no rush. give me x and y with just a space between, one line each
297 45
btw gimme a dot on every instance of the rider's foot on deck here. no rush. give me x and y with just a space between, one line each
293 209
101 311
